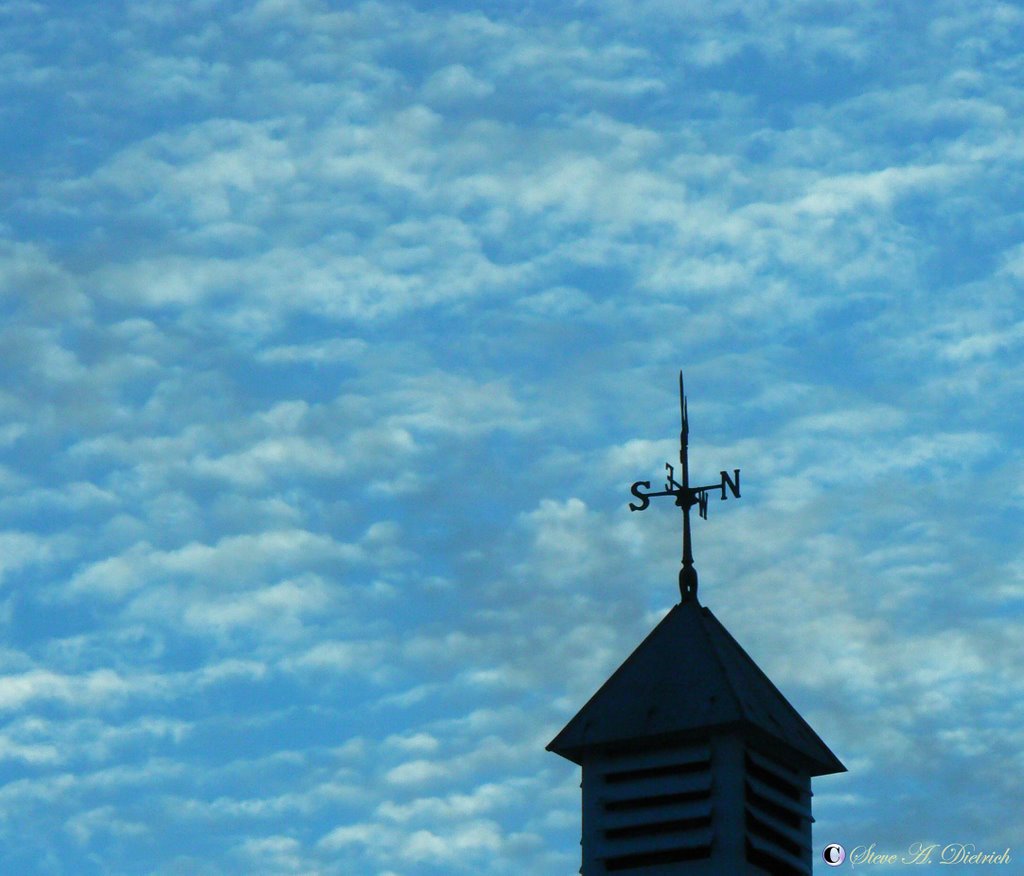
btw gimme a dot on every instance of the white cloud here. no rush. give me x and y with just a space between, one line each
453 83
94 688
365 657
277 609
106 688
457 807
416 772
233 562
21 549
335 350
352 834
468 839
422 743
85 826
329 364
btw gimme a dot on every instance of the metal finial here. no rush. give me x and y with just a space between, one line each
685 430
686 497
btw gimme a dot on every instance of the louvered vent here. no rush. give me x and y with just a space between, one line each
778 817
654 807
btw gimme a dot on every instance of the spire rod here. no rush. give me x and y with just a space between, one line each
687 574
686 497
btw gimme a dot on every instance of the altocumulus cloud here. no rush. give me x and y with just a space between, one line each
332 337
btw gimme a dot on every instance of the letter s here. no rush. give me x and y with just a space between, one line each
644 500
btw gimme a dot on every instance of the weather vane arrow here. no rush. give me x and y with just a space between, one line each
686 497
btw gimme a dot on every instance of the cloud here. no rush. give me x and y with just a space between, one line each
334 350
85 826
453 83
20 549
107 688
232 561
341 656
95 687
334 338
416 772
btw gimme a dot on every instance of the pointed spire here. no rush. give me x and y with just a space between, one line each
684 435
686 497
687 574
686 678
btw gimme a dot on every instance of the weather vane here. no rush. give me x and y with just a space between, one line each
686 497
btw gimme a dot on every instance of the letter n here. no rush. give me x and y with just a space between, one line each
733 485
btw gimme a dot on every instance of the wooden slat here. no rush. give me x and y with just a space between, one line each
690 839
659 785
691 809
636 759
780 854
801 810
800 838
783 772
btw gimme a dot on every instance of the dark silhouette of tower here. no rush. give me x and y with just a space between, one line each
693 762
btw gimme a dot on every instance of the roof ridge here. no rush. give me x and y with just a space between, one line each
704 611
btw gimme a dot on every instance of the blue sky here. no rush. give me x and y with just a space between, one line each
334 335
